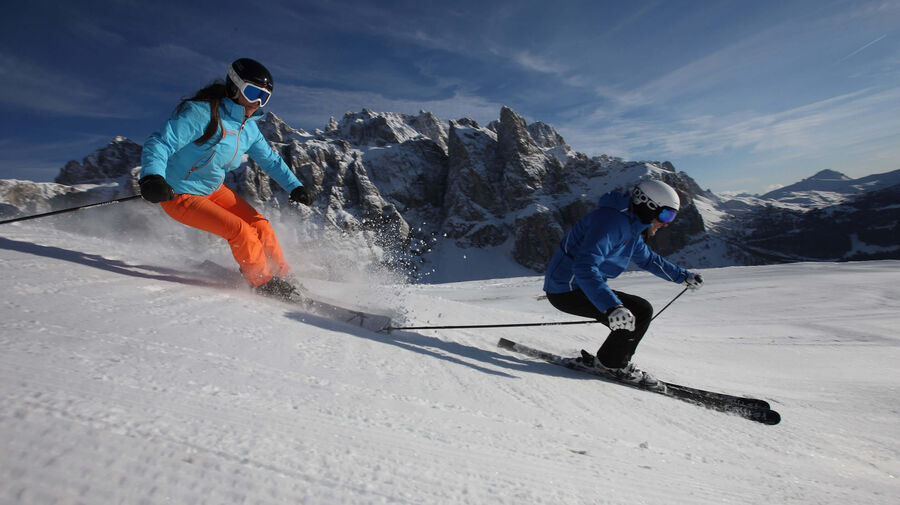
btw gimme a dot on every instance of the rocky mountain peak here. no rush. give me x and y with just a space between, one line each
545 135
514 137
110 162
824 181
276 130
828 175
432 127
368 128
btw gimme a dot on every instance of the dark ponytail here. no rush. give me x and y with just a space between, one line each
213 95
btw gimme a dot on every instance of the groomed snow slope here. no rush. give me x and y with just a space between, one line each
131 375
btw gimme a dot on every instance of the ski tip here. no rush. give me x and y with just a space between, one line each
768 417
506 344
377 324
371 322
755 404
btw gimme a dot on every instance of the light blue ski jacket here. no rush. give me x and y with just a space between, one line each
171 152
599 247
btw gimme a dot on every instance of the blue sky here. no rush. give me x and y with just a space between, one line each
741 95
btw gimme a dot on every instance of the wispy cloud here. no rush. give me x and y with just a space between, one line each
841 121
168 61
722 104
631 20
45 90
85 27
861 49
531 61
707 71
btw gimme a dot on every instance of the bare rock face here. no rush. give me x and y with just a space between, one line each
537 235
545 135
525 166
431 127
103 165
473 180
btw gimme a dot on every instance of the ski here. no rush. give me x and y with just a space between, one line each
320 307
369 321
753 403
748 408
313 304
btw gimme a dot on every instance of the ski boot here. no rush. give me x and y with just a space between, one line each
281 289
629 373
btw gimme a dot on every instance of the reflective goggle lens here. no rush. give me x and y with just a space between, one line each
253 93
667 215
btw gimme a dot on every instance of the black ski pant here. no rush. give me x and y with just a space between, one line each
620 345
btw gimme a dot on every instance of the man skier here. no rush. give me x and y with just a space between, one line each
599 247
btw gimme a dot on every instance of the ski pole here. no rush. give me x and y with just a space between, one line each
667 305
73 209
470 326
519 325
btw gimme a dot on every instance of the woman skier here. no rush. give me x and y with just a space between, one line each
599 247
184 164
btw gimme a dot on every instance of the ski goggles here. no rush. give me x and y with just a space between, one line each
664 215
250 91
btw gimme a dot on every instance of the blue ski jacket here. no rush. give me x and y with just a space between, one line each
195 169
599 247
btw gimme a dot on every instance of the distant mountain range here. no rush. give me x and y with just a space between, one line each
829 181
418 187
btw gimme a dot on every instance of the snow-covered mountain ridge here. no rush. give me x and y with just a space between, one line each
419 193
832 182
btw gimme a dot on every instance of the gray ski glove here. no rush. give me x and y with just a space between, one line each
620 318
693 281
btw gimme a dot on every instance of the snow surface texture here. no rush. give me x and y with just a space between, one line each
130 374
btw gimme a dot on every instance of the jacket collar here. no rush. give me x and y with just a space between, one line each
622 203
636 223
235 111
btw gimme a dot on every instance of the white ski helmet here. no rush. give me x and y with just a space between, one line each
652 199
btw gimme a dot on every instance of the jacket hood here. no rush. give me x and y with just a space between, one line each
622 203
614 200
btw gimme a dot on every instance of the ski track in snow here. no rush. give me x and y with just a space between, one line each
126 379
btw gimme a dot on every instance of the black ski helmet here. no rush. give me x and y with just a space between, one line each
652 199
249 71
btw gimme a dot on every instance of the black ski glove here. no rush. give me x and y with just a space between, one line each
155 189
301 194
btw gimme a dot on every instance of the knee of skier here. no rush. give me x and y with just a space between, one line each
642 309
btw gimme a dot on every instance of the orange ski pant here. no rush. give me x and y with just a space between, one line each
249 234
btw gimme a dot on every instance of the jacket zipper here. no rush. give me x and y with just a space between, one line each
211 155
